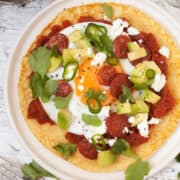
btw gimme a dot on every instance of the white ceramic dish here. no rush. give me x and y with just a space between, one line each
47 159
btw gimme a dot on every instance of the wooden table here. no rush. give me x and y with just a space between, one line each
13 17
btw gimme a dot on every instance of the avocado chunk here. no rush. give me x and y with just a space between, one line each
149 96
105 158
82 44
133 46
139 118
63 119
136 54
74 54
123 108
139 107
76 35
139 76
55 63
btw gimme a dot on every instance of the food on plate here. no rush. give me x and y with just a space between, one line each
98 87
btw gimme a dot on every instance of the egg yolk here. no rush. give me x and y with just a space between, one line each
87 78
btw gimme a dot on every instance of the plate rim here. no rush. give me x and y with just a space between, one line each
9 64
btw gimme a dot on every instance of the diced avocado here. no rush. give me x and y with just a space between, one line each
136 54
123 108
105 158
82 44
55 63
150 65
74 54
139 77
139 107
63 119
139 118
76 35
150 96
132 46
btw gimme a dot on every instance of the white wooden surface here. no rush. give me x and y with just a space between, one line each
14 16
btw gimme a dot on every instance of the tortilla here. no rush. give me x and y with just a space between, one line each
50 135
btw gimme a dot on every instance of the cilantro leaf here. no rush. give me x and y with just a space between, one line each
108 11
94 94
178 158
42 87
66 149
92 120
50 87
35 171
40 60
122 147
126 95
62 102
137 170
89 93
37 84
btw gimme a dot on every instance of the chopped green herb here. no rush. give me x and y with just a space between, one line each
137 170
126 95
63 119
94 94
66 149
55 51
42 87
92 120
35 171
178 158
122 147
62 102
50 87
40 60
108 11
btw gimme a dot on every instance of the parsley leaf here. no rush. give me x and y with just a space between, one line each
137 170
94 94
122 147
62 102
178 158
35 171
126 95
40 60
108 11
66 149
92 120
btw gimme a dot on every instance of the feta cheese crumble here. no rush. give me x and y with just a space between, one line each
153 121
159 82
99 58
118 27
106 18
164 51
125 130
89 51
111 141
133 31
143 128
131 119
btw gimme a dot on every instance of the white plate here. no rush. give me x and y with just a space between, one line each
47 159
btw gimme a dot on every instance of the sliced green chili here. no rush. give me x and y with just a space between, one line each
150 74
94 32
112 61
99 142
70 70
94 105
